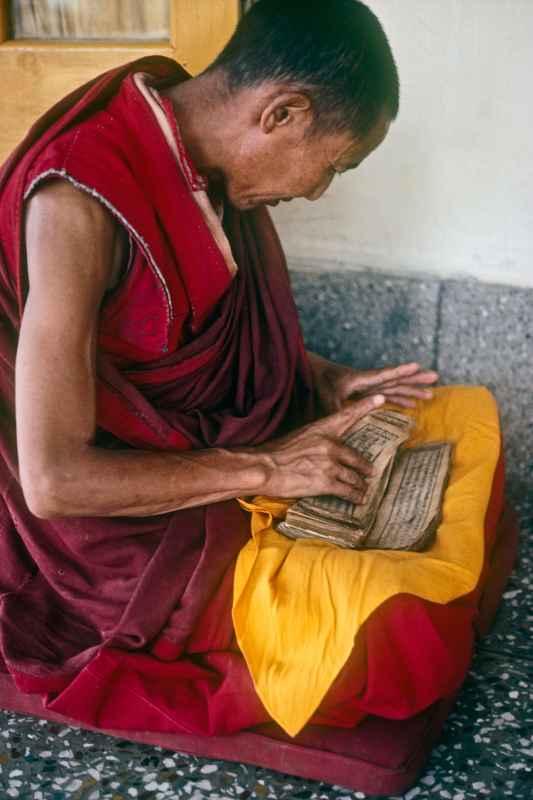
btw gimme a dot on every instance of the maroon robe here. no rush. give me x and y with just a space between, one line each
189 357
126 622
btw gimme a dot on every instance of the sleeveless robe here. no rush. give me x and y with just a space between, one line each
126 622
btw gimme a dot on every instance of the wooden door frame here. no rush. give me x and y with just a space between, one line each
38 72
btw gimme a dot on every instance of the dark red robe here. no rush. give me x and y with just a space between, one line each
126 622
189 357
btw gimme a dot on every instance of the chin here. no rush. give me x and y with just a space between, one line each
247 205
247 202
241 203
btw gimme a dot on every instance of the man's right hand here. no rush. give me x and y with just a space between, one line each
314 460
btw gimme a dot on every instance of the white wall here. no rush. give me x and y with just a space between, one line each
450 192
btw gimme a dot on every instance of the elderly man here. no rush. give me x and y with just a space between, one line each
150 335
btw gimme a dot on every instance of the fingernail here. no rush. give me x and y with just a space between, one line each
379 399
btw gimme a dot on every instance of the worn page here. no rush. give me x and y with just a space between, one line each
303 525
410 511
327 535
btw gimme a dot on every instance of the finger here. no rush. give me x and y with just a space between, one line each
376 377
403 402
408 391
351 458
338 423
353 479
425 376
347 492
420 379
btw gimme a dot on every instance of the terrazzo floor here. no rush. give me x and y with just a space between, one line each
486 750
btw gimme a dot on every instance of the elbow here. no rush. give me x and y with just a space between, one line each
43 496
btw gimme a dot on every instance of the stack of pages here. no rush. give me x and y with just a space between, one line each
404 497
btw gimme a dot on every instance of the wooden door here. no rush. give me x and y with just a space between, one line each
48 47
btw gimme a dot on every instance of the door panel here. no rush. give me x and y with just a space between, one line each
39 71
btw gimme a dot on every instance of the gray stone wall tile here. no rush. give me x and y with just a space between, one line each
486 337
516 418
367 319
486 334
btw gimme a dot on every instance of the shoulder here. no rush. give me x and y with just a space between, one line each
60 204
70 232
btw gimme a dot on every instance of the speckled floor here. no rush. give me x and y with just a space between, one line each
486 749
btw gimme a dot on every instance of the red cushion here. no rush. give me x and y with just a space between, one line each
378 756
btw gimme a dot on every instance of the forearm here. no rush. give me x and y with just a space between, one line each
324 374
99 482
316 361
320 366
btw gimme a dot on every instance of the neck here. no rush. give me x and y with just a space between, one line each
200 106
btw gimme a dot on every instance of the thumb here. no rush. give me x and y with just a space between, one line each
339 423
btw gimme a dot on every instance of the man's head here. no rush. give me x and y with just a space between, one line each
336 52
317 88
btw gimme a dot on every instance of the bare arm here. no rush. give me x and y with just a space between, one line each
70 265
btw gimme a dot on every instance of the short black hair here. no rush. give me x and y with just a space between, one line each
334 50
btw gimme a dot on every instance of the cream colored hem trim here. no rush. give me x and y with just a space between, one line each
201 198
62 173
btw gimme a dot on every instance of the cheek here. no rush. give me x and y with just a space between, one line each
304 180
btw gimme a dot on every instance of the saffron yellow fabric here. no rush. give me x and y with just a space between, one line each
298 604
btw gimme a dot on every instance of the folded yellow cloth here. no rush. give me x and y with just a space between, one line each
298 604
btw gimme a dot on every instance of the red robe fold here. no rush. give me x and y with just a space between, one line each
126 622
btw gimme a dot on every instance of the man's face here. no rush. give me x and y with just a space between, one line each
280 168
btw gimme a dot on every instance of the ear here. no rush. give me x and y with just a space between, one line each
288 109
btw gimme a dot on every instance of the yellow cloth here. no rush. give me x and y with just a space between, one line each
298 604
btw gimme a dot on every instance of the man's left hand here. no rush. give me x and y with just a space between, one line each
336 384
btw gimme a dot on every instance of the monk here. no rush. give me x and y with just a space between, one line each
152 368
